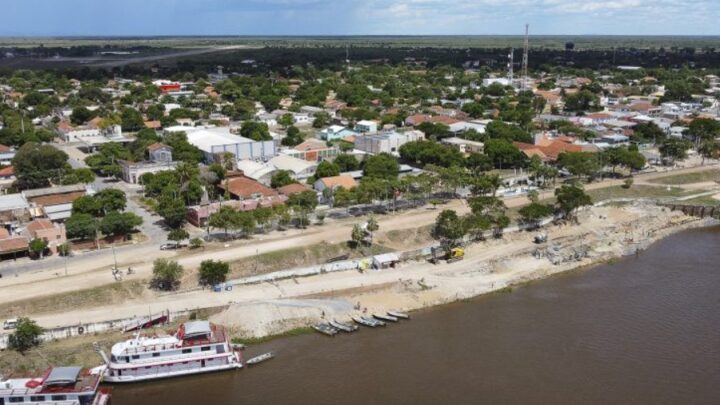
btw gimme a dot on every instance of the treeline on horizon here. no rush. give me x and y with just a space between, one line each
281 59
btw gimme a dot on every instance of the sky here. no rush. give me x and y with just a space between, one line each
358 17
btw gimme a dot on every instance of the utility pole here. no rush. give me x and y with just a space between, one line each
526 50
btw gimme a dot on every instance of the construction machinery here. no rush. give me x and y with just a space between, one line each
448 254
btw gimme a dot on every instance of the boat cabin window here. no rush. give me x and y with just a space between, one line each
126 359
205 348
37 398
220 348
15 400
156 354
135 356
59 397
187 351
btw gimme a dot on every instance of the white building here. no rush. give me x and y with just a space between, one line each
365 126
214 142
386 142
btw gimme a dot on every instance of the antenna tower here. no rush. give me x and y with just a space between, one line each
526 50
510 65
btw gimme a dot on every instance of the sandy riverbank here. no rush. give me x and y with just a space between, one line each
604 233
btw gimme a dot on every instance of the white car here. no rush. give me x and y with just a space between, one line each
170 246
10 324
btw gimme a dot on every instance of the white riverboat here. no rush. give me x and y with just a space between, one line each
57 386
196 347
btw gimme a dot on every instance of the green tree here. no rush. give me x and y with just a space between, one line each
111 200
87 204
709 148
26 336
245 221
213 272
357 235
166 274
281 178
372 226
172 209
132 120
286 120
36 165
257 131
381 166
321 119
327 168
38 247
346 163
119 223
82 226
533 213
674 149
196 243
449 228
64 249
570 198
504 154
293 137
81 115
178 235
263 216
580 163
226 218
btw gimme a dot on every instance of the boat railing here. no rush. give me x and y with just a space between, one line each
153 348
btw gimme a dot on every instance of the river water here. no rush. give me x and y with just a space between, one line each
645 330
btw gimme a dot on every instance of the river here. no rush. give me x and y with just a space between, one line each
644 330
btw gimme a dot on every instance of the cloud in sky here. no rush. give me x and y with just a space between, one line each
356 17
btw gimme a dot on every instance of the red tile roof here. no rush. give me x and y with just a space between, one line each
339 181
13 244
7 171
158 145
57 199
39 224
245 188
153 124
292 189
4 148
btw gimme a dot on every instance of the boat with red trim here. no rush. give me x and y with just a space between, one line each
57 386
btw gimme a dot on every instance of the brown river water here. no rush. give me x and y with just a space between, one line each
645 330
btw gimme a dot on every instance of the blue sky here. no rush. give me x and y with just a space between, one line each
358 17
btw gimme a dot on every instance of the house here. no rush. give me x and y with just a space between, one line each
300 169
12 244
462 126
387 142
14 208
261 172
7 177
48 231
56 202
156 125
335 132
6 154
313 150
268 119
464 145
160 159
198 215
366 126
550 149
292 189
417 119
214 142
334 182
385 260
245 188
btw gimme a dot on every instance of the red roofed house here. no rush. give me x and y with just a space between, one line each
52 233
334 182
245 188
292 189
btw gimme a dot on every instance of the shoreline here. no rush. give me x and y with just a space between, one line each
274 310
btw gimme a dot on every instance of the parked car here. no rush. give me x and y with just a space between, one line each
10 324
170 246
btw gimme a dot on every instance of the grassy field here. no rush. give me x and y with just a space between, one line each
697 177
444 41
706 201
298 257
116 292
636 191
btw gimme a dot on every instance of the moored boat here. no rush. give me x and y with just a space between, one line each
196 347
260 358
57 386
387 318
345 327
399 315
325 329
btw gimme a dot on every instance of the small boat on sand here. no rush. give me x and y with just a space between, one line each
325 329
369 322
387 318
399 315
345 327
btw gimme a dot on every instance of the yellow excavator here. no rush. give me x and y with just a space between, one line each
448 254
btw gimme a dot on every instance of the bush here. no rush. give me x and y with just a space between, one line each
26 335
166 274
628 182
196 243
213 272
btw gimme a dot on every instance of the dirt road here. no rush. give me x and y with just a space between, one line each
97 272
